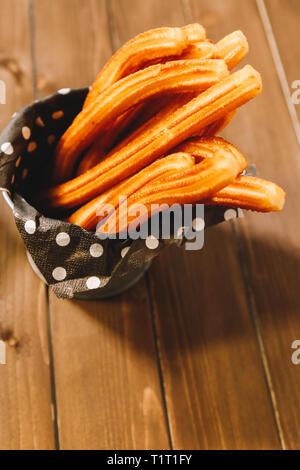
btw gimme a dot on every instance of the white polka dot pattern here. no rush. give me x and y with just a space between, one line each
64 91
30 226
7 148
96 250
151 242
59 273
198 224
26 133
230 214
62 239
124 251
93 282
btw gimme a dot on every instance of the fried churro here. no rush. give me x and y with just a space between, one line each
233 48
200 149
194 184
154 44
133 119
209 106
250 192
176 76
87 216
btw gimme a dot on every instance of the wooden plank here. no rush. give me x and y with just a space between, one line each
284 17
107 383
25 408
270 243
216 393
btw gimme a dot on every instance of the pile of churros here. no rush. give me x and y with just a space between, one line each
148 132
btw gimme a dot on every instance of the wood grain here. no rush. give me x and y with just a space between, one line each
107 382
284 17
25 407
214 381
270 243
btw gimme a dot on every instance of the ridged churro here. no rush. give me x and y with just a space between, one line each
135 119
233 48
146 137
250 192
200 149
196 183
177 77
87 216
209 106
153 44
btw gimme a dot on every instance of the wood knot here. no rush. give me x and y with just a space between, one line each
12 66
9 338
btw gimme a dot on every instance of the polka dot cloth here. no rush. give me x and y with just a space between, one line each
30 226
230 214
198 224
59 273
152 242
7 148
62 239
96 250
73 262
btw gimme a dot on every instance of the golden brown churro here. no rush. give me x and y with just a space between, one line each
200 149
153 44
87 216
147 133
216 127
177 77
134 119
213 104
196 183
233 48
250 192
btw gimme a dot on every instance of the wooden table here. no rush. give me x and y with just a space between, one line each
198 354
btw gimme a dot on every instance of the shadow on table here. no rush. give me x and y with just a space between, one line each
206 294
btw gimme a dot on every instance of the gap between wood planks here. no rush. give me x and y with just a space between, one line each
265 19
49 330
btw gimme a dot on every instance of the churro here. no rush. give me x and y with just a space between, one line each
233 48
134 119
250 192
87 216
172 77
209 106
195 183
200 149
154 44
